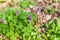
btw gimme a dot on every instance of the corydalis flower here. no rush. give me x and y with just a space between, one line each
29 17
17 12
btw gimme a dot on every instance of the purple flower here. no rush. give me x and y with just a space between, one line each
17 12
3 21
29 17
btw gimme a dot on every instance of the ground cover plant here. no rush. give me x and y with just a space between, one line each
30 20
15 23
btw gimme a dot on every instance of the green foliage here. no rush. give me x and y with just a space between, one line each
51 10
2 1
18 25
54 29
26 3
0 39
